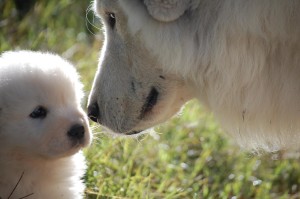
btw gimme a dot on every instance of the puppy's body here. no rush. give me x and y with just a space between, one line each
41 178
42 127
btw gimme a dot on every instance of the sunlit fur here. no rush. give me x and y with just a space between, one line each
40 149
127 72
240 58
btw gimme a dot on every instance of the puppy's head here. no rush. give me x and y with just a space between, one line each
40 110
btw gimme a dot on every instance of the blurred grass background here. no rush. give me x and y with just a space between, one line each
188 157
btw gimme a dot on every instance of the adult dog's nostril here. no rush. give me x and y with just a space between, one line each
93 112
76 132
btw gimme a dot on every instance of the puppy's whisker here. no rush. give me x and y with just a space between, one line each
96 140
27 196
94 127
16 185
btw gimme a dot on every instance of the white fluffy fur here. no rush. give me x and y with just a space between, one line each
40 149
240 58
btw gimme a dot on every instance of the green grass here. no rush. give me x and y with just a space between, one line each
188 157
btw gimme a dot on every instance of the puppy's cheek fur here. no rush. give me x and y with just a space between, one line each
58 143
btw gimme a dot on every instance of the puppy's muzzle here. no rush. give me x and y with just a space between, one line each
76 132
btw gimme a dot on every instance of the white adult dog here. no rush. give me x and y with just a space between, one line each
42 127
240 58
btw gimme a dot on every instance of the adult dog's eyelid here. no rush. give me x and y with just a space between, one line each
111 19
112 15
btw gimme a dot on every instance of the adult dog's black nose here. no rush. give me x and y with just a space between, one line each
76 132
93 112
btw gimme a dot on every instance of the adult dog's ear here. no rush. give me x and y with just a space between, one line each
167 10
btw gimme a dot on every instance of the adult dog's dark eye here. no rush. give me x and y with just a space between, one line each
39 113
111 19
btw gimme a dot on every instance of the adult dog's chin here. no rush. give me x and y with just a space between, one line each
129 133
146 110
133 133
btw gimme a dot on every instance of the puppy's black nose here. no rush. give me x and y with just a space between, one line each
76 132
93 112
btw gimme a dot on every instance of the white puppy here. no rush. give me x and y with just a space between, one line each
42 127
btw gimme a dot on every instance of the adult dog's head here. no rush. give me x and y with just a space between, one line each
133 89
40 112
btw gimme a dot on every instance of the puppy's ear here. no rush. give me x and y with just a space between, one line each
167 10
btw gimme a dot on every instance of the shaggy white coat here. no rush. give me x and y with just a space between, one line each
241 59
38 152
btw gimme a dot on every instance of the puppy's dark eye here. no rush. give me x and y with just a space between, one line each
39 113
111 19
